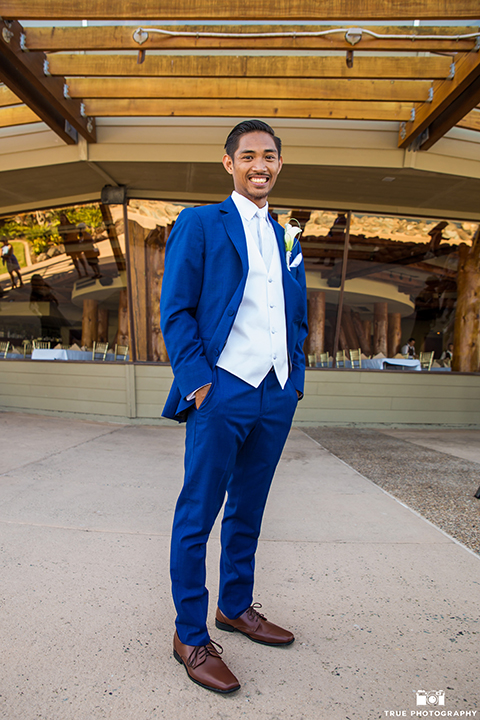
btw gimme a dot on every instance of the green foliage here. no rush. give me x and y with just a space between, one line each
40 228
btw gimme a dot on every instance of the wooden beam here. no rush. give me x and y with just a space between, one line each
287 88
243 108
24 74
7 97
17 115
240 10
466 73
121 38
408 68
455 112
471 121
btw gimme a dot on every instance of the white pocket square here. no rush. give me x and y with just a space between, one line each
295 263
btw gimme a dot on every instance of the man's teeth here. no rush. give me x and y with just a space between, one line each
259 180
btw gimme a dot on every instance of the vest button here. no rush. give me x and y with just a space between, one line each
231 311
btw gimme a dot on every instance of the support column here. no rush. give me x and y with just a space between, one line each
380 325
466 340
102 331
155 249
123 334
89 322
394 333
316 323
367 334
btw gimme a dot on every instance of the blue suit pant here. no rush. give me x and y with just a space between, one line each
233 444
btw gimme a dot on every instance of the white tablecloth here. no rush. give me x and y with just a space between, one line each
380 363
59 354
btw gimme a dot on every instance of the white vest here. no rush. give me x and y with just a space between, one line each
258 339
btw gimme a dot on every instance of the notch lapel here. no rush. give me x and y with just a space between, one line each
233 225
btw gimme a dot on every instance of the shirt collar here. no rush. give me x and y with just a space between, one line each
247 208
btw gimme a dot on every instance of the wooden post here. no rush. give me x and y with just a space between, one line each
394 333
359 329
350 333
466 339
367 334
316 323
102 330
155 248
89 322
123 332
380 324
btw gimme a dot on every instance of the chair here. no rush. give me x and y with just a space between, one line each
41 344
27 348
426 360
312 360
356 357
324 360
4 349
121 350
340 359
99 349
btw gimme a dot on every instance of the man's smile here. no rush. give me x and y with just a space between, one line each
259 179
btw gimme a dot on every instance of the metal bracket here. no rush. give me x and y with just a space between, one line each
353 35
82 110
23 42
7 34
412 115
419 140
46 68
430 95
65 92
140 36
452 71
403 130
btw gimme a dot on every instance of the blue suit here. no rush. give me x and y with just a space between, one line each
235 439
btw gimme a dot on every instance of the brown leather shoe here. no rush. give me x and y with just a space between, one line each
255 626
205 666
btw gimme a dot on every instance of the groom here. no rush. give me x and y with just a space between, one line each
233 316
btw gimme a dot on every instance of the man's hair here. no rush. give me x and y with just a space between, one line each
410 339
249 126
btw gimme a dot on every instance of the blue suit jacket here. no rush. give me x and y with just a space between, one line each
206 266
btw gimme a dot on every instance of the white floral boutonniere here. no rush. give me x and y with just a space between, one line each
291 240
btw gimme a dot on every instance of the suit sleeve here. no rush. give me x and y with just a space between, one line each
181 291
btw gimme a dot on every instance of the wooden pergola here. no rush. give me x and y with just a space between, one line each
427 78
415 64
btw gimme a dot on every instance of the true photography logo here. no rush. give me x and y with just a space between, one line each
430 703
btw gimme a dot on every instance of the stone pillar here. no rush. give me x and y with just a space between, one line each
380 325
89 322
316 323
394 334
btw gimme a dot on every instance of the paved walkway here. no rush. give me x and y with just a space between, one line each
382 603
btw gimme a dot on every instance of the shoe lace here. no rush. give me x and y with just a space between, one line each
200 653
253 613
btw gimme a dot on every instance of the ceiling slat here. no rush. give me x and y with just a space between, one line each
240 10
471 121
164 107
7 97
18 115
121 38
287 88
429 68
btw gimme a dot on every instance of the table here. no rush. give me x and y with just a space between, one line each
380 363
60 354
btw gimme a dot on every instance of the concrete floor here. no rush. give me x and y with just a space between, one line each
382 603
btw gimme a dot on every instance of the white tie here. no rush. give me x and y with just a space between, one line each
264 241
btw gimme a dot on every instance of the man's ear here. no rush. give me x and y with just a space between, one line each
228 163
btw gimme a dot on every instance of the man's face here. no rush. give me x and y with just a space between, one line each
255 166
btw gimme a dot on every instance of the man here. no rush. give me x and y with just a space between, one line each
409 348
233 316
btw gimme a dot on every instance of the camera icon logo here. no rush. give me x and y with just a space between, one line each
432 697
